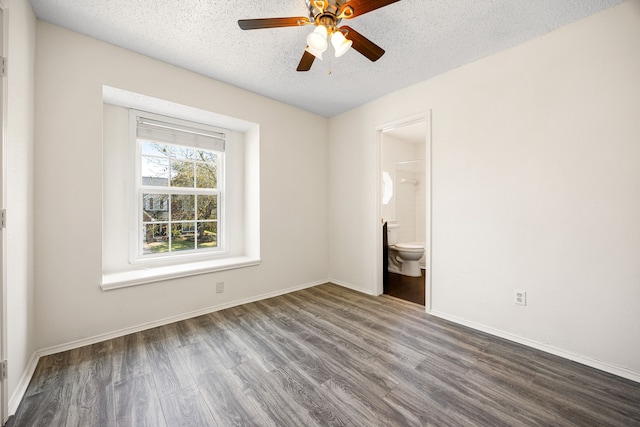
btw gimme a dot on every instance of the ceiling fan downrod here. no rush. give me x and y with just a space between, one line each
322 12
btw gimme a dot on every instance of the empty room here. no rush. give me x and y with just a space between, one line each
310 213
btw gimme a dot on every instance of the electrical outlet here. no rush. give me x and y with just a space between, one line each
520 297
219 287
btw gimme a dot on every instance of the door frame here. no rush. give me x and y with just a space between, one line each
376 256
4 24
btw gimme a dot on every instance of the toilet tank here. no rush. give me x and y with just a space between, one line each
392 232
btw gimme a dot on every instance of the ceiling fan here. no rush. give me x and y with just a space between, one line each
326 15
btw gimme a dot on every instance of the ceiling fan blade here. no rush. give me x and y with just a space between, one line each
306 62
360 7
362 44
256 24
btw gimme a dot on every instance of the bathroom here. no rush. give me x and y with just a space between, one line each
404 211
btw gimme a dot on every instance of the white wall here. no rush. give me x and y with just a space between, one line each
70 72
19 196
536 165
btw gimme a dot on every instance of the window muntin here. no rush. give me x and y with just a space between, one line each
179 189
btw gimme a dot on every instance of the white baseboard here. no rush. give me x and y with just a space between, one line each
21 389
352 287
594 363
149 325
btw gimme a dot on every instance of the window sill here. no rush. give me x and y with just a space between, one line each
156 274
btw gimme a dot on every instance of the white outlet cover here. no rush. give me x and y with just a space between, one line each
520 297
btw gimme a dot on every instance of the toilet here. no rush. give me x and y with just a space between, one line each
403 257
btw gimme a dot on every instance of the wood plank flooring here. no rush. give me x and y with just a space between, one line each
324 356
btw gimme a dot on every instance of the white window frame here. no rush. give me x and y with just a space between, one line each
136 230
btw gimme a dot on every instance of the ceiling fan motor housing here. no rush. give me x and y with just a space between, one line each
327 17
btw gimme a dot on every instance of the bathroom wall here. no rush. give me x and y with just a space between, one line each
407 206
411 204
394 150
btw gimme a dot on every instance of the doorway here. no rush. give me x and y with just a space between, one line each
404 204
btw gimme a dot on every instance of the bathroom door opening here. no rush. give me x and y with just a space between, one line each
404 230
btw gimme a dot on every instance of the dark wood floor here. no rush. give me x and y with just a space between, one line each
317 357
405 287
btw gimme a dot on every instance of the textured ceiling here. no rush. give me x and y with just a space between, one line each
422 38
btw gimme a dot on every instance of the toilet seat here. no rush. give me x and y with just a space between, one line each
409 246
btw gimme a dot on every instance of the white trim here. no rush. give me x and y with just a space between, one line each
353 287
157 274
167 320
428 274
21 388
584 360
4 51
379 250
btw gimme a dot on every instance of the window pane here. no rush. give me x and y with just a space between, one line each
183 207
182 174
155 238
207 207
183 236
207 234
186 217
206 156
155 171
206 175
155 207
184 153
155 149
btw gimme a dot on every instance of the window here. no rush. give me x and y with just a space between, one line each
179 187
198 219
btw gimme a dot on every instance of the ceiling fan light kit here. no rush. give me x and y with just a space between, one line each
317 40
326 15
340 44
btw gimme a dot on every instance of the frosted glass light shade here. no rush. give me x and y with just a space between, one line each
340 44
314 52
317 40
